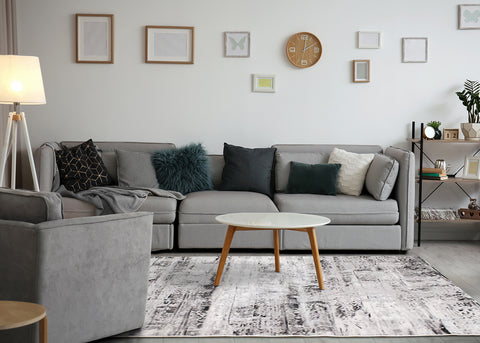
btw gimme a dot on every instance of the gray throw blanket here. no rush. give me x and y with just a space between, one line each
108 200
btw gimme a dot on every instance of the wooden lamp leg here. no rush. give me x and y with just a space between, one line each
6 140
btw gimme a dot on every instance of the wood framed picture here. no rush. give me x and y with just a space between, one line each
94 38
169 44
469 17
368 40
450 134
361 70
263 83
415 50
237 44
471 169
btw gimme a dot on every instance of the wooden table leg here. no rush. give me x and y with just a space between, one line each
43 330
225 250
276 244
316 256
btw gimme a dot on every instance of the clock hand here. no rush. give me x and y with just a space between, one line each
305 49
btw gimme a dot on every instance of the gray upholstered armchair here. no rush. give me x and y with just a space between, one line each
90 273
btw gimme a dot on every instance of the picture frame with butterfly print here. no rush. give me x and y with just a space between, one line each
237 44
469 17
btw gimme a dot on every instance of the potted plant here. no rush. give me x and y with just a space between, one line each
470 98
436 124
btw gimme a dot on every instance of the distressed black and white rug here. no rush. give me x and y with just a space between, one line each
392 295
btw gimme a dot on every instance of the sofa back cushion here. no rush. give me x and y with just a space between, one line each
311 154
29 206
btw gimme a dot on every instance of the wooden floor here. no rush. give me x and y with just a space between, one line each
458 261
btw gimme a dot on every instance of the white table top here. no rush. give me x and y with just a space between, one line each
275 220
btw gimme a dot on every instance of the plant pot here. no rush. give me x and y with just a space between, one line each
438 134
471 131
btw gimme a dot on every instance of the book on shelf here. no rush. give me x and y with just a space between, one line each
433 170
433 174
445 177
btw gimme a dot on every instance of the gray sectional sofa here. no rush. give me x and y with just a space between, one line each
357 222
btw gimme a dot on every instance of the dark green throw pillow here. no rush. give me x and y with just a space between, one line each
183 170
248 169
313 178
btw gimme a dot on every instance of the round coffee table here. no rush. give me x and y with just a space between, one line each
272 221
15 314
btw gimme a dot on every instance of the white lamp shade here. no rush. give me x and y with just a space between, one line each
21 80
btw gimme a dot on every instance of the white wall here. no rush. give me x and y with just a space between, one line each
211 101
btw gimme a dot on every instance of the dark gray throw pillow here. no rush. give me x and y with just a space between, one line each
183 170
135 169
313 178
381 176
248 169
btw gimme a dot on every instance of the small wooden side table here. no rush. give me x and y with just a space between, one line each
15 314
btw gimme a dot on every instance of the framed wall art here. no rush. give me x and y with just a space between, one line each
471 168
368 40
450 134
237 44
361 70
414 50
263 83
94 38
169 44
469 17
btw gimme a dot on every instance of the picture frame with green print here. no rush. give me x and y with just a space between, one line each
469 17
236 44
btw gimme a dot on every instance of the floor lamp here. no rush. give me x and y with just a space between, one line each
20 83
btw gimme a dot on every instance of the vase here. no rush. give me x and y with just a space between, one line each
471 131
438 134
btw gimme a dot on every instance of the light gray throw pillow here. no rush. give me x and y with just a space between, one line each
381 176
135 169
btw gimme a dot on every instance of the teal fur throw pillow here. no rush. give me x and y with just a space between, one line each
313 178
183 170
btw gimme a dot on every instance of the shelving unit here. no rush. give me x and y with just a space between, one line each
418 143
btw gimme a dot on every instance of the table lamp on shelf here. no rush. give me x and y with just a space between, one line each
20 83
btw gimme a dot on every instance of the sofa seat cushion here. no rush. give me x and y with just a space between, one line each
341 209
203 207
164 209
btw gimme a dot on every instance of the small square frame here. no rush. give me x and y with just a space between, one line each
415 50
471 168
361 71
450 134
369 40
469 17
94 38
237 44
169 44
263 83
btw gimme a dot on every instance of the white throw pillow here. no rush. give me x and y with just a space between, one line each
351 176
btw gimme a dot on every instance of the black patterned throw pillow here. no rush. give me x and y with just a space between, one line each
81 167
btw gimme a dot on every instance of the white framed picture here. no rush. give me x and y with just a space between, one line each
361 70
263 83
415 50
471 169
237 44
469 17
368 40
169 44
94 38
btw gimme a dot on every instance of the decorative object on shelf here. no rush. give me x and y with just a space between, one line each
428 132
169 44
94 34
368 40
473 205
442 214
361 70
469 17
466 213
21 83
237 44
304 49
471 168
415 50
441 164
263 83
470 98
450 134
436 124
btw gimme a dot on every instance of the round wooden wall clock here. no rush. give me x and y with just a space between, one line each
304 49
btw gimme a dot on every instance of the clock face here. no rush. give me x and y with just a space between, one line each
304 49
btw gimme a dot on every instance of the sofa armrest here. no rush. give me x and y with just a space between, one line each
91 270
46 166
404 193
